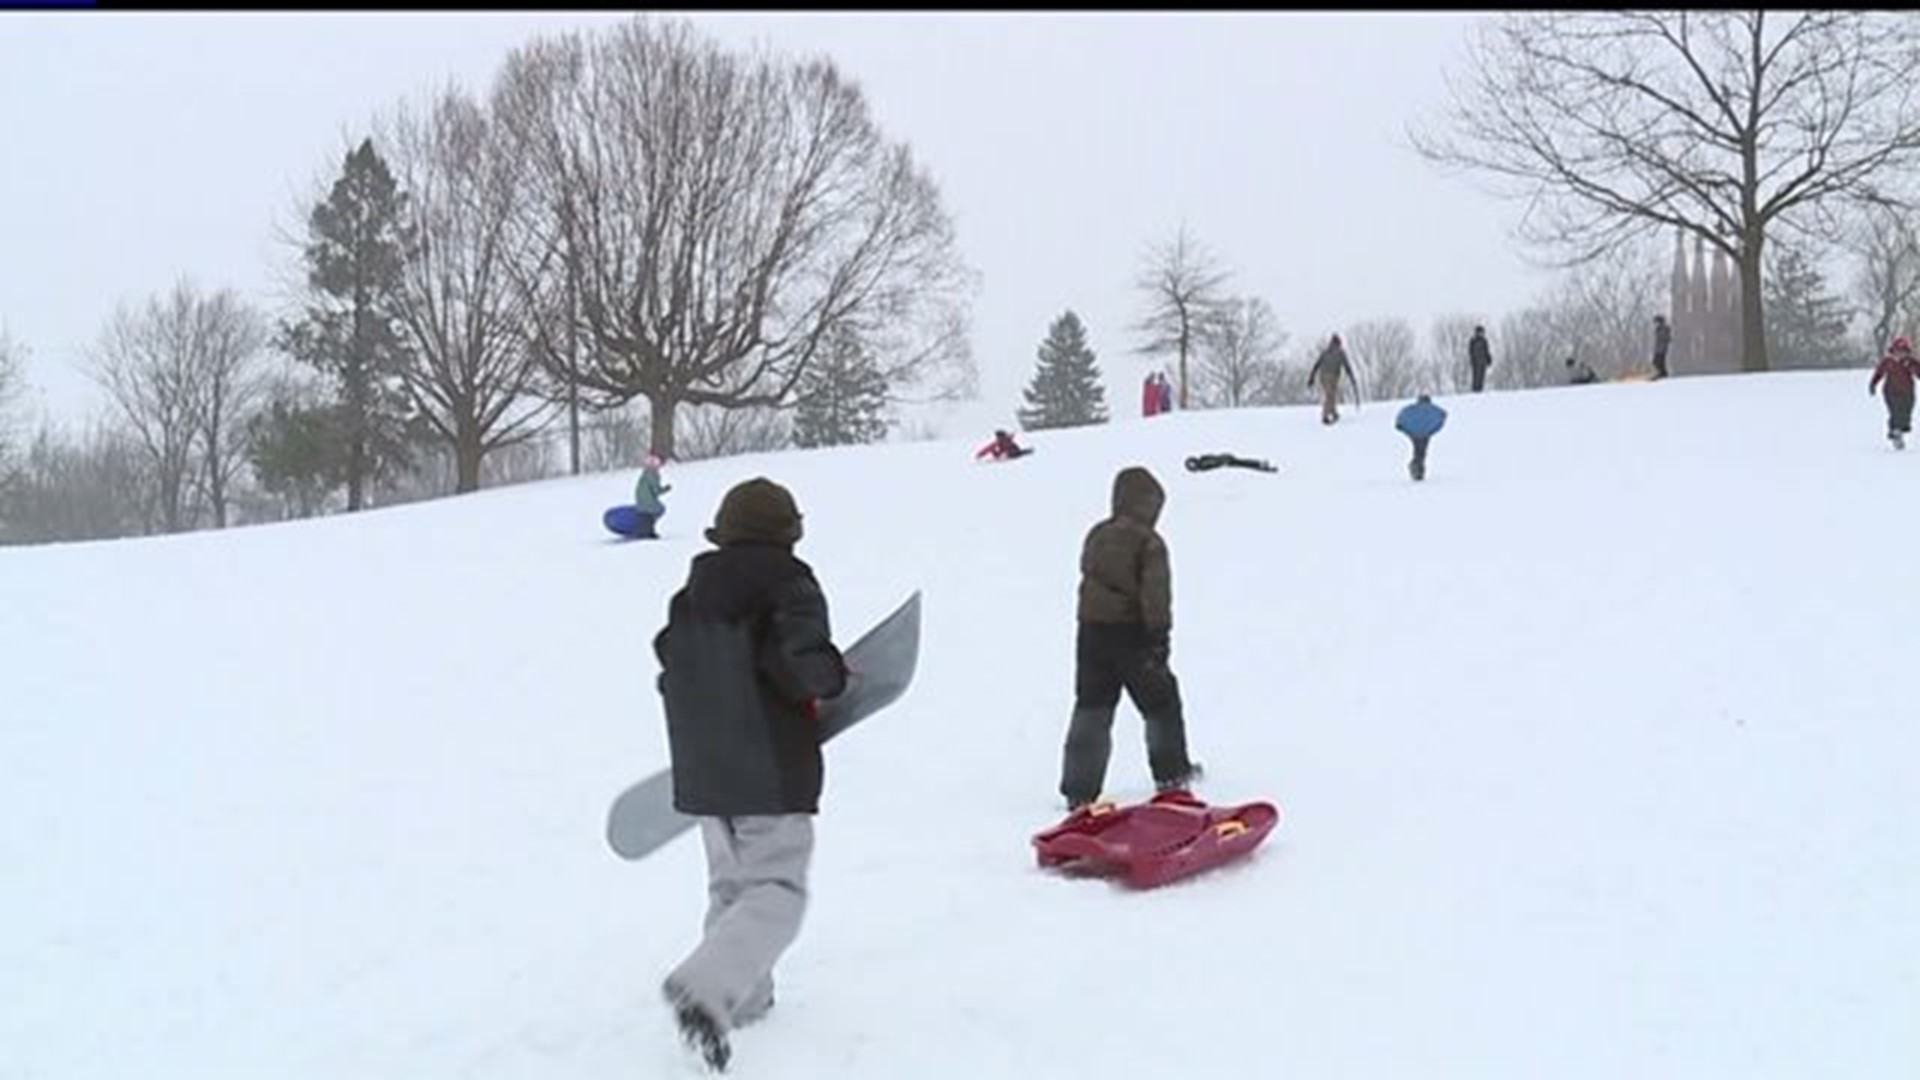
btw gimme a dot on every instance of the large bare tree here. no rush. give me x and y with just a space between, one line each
471 363
1239 353
722 215
1181 284
1724 124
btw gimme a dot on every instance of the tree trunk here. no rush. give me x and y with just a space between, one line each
216 484
1753 315
573 419
356 464
467 455
660 426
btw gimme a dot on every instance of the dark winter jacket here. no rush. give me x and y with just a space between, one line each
1478 354
1331 365
746 652
1662 337
1125 577
1899 370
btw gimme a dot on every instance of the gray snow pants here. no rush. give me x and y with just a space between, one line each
756 897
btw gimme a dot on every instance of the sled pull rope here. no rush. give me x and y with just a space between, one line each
1225 829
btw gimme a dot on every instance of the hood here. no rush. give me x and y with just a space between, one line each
1137 495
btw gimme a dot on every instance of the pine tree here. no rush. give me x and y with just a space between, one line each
843 398
1066 390
355 253
1806 323
298 453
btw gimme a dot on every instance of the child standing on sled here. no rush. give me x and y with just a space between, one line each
1125 624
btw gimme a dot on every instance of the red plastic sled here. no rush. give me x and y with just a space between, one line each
1164 839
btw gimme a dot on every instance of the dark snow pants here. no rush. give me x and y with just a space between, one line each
1418 466
1107 660
1899 411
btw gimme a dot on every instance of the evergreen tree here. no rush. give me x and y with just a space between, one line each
1806 323
1066 390
843 398
356 249
298 453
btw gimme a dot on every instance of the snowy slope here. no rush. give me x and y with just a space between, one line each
1597 754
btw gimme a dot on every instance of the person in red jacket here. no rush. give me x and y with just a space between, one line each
1002 448
1898 369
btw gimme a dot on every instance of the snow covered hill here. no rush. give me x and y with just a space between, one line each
1598 756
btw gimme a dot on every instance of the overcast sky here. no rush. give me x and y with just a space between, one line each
139 148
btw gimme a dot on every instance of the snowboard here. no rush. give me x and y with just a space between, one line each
880 668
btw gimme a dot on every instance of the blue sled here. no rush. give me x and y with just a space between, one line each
630 523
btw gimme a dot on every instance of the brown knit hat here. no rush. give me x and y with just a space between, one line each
756 511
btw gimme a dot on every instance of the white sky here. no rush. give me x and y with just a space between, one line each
140 148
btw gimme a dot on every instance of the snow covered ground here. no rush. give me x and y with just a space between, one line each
1597 752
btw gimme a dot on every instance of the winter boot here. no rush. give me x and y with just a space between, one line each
1182 783
699 1032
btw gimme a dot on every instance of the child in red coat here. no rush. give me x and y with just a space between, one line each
1898 369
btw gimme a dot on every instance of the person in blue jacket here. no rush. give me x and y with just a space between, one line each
1420 421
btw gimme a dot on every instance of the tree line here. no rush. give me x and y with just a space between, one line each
640 239
635 220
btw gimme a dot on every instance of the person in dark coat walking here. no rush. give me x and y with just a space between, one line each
1420 421
1327 371
1479 358
1125 624
746 655
1662 340
1898 370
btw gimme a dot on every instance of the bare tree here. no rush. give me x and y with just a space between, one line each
715 431
1181 283
1286 383
91 487
470 366
615 439
147 361
1385 359
1604 308
723 214
1724 124
13 364
1531 352
228 339
1447 364
1886 243
1239 352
